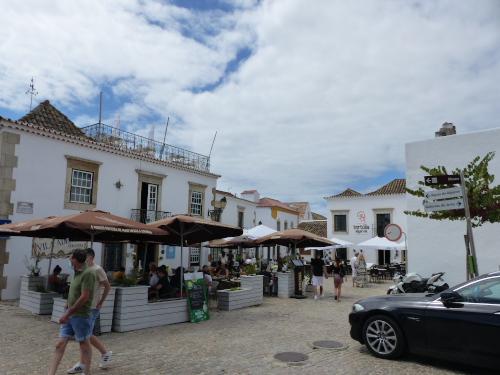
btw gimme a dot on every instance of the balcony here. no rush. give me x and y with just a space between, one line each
146 147
148 216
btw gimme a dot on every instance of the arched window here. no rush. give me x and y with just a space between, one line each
286 225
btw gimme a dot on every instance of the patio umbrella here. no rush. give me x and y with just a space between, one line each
186 229
91 225
378 243
296 237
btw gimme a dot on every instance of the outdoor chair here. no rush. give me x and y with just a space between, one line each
374 274
213 292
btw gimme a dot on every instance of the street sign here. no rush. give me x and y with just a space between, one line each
452 204
442 180
393 232
453 192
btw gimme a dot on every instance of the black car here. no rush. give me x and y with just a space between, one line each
460 324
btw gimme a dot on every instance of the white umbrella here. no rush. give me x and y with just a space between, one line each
378 243
401 246
258 231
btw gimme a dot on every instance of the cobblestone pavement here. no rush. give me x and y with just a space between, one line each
231 342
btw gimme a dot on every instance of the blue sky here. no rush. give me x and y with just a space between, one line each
307 98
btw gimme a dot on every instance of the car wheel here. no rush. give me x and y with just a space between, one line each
383 337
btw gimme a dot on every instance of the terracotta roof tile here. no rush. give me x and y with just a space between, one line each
226 193
316 216
347 193
396 186
301 207
249 191
316 227
46 115
268 202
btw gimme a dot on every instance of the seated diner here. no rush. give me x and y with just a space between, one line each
164 288
59 283
223 271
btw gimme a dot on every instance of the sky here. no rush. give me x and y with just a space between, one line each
308 98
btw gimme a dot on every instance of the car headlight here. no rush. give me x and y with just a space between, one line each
357 307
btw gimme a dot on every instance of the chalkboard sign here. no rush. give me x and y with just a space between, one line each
197 300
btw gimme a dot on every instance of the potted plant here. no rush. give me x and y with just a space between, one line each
34 269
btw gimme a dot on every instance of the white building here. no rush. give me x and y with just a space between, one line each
51 167
439 245
304 209
355 217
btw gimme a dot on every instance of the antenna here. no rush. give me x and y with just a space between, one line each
164 137
31 91
212 145
100 109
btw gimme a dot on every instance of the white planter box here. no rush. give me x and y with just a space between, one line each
106 314
238 299
38 303
286 287
252 282
132 310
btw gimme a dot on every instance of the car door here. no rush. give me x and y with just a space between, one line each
470 327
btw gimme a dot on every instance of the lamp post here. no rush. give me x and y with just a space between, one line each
217 211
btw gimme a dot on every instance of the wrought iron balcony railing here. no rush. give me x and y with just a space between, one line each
148 216
143 146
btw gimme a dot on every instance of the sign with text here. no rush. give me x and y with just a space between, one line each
24 208
449 179
452 204
453 192
170 252
197 300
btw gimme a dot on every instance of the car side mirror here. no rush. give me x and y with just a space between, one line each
451 297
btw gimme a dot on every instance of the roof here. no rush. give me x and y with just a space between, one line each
316 216
396 186
249 191
268 202
47 116
228 194
301 207
316 227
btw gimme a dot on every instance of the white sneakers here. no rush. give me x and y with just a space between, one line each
105 358
322 296
78 367
315 298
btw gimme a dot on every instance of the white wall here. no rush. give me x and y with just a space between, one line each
230 214
41 178
439 245
366 204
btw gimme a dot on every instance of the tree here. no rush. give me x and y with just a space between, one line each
484 201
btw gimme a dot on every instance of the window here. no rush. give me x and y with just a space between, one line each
291 225
81 187
383 220
195 256
278 225
240 219
286 225
483 291
340 223
196 203
196 198
81 183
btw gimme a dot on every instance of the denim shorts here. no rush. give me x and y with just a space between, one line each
78 326
95 314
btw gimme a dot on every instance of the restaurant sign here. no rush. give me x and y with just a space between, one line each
62 247
197 300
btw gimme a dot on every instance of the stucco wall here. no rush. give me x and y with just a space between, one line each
439 245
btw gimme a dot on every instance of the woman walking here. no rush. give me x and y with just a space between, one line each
338 277
360 278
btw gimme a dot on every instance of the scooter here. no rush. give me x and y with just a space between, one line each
413 283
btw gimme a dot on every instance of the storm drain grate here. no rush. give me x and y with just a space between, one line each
327 344
291 357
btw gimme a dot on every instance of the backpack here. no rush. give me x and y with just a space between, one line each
342 271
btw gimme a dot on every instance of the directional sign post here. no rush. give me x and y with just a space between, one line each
453 192
450 204
442 180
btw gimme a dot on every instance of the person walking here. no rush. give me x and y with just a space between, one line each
76 320
353 266
101 280
361 271
317 269
338 277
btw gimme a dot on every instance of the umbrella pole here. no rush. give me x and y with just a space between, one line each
50 263
260 258
182 245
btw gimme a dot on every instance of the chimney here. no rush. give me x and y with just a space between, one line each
447 129
251 195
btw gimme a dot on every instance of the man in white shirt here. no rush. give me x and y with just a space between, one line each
353 266
100 280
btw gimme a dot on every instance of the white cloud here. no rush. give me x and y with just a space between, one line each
328 97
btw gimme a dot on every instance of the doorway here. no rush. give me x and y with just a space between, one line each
146 253
384 256
149 202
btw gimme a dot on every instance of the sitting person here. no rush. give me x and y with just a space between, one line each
153 277
164 288
175 281
213 269
207 278
59 283
265 272
119 274
223 271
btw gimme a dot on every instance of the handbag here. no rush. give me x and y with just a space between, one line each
342 271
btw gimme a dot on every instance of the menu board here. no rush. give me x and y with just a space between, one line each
197 300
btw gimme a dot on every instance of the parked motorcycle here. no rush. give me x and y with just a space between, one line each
414 283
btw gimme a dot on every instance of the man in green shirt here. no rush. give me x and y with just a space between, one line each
77 319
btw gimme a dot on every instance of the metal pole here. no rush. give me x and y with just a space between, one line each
469 226
182 243
50 263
